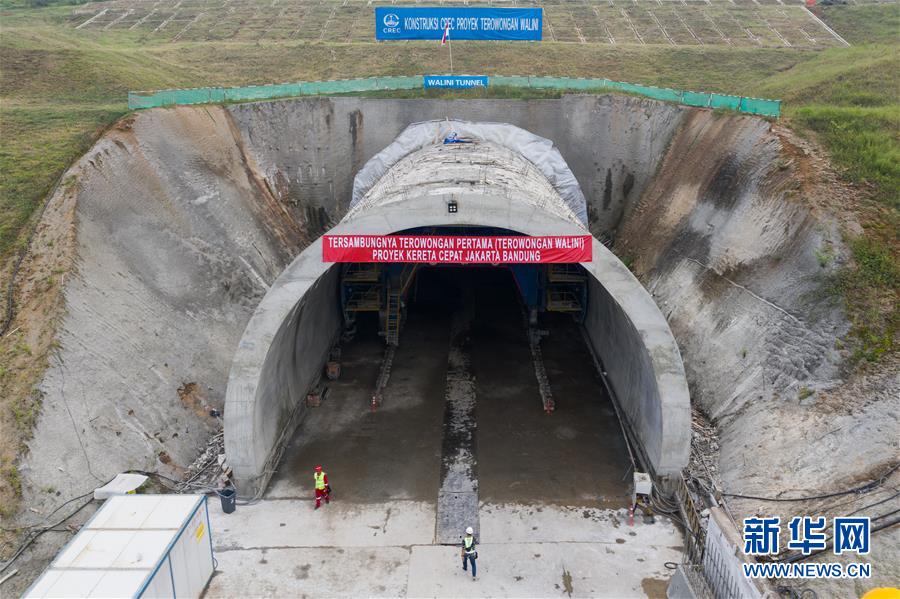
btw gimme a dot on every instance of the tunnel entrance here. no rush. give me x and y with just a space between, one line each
387 289
503 183
462 419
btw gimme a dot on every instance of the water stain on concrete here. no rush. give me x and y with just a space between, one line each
655 588
301 572
567 582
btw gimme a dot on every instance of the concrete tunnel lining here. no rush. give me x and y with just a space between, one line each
274 367
536 152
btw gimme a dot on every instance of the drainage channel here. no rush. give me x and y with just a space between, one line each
457 506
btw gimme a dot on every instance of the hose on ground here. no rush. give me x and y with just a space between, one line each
870 486
35 534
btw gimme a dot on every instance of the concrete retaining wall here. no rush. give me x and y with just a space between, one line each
613 144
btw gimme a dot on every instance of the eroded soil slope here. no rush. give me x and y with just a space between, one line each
738 246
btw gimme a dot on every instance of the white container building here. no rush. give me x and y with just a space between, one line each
135 546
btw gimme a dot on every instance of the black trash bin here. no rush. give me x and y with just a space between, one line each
227 496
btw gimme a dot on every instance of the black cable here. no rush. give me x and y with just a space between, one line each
62 505
47 517
174 489
59 507
865 507
882 516
858 490
782 591
35 534
887 524
796 557
62 384
842 503
156 475
833 507
36 530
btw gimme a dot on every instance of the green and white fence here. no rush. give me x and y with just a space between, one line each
215 95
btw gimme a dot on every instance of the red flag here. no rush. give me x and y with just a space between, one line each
446 35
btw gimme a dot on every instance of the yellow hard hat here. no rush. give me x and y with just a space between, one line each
882 593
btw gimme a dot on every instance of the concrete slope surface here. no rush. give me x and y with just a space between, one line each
732 252
176 243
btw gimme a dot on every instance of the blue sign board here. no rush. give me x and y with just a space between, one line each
466 23
456 81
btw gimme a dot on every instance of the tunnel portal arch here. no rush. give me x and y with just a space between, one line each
287 341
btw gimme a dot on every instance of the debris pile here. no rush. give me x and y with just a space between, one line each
704 462
210 471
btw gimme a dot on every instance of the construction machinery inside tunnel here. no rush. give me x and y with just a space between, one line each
461 419
316 311
384 290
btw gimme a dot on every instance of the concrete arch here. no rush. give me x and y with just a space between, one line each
286 342
539 152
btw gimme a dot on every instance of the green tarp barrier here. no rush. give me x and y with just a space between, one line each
760 106
733 103
695 99
206 95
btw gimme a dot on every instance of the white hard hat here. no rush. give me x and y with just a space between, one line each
469 531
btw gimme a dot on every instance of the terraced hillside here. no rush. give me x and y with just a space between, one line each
769 23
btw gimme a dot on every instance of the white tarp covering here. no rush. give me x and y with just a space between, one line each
122 484
466 169
538 150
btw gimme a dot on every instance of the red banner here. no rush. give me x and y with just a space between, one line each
457 249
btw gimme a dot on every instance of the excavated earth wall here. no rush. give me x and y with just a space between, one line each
185 216
727 242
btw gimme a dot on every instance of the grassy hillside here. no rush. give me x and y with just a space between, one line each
863 24
59 87
850 97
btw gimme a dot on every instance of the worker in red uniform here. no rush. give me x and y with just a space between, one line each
323 489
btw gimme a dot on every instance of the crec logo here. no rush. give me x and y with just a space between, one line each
391 20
